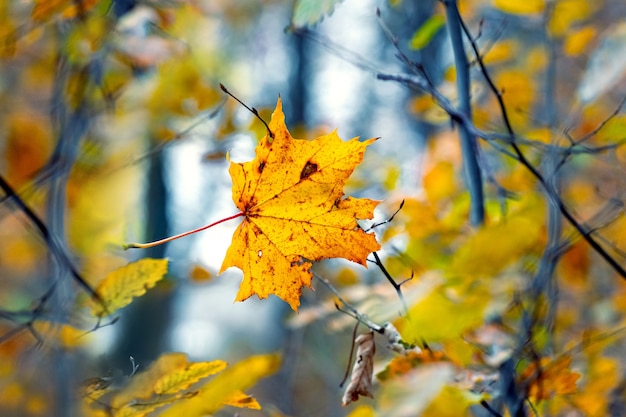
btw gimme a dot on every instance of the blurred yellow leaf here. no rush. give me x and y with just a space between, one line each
520 6
234 379
162 384
18 253
60 334
93 389
421 218
182 378
242 400
141 386
493 247
442 315
536 60
43 10
181 89
392 175
36 405
347 276
122 285
12 394
139 409
86 39
439 182
453 402
575 263
425 108
576 43
9 36
27 146
501 52
601 378
518 91
199 273
362 411
566 13
543 135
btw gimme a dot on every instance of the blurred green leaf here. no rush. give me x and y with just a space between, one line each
309 12
427 32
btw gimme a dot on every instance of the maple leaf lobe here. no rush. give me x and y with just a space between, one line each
295 212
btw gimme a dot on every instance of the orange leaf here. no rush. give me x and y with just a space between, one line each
402 364
291 195
555 378
46 9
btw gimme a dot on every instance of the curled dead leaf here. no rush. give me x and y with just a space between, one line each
362 371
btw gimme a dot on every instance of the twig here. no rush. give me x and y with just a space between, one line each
55 247
251 109
489 408
396 286
526 163
32 315
351 311
347 374
388 220
341 51
598 128
179 135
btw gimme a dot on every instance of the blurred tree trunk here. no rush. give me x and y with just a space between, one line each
142 329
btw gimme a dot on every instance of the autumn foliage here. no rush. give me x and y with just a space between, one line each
470 263
291 196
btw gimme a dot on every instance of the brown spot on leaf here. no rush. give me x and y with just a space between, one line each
261 167
308 170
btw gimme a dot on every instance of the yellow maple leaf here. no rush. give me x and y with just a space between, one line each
291 197
119 287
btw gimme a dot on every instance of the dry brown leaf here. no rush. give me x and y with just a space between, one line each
362 371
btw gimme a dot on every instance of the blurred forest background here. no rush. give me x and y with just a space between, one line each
114 129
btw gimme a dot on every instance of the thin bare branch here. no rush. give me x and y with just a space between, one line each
375 225
250 109
55 247
353 312
527 164
396 286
